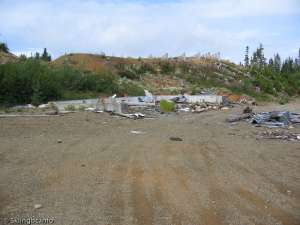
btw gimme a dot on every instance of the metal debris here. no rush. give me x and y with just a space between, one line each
268 119
275 119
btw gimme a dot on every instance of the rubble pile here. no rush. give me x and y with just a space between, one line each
268 119
275 119
137 107
279 134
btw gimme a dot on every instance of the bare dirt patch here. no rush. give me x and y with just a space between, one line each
101 173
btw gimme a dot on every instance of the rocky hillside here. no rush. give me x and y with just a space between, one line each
161 75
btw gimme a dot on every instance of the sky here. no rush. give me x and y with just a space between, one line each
151 27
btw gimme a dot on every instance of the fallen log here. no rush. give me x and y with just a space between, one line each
238 117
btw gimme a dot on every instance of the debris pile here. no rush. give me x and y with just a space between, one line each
275 119
267 119
134 107
279 134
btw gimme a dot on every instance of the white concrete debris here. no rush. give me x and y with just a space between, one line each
204 98
121 104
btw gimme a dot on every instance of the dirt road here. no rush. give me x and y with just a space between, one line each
102 174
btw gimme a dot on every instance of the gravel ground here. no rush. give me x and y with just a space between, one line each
101 173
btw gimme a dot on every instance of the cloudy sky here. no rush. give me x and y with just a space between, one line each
144 27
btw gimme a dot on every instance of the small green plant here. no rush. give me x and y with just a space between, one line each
166 106
283 100
70 108
82 108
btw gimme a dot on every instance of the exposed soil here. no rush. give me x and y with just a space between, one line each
102 173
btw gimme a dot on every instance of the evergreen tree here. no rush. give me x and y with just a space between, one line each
23 57
3 47
254 60
277 63
246 60
298 60
261 57
288 66
46 56
271 63
37 55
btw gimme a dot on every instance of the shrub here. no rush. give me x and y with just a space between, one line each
166 106
283 100
33 81
131 89
70 108
82 108
166 67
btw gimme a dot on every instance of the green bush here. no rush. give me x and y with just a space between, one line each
28 82
70 108
82 108
33 81
131 89
166 106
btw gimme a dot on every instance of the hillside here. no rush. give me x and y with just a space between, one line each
7 57
77 76
160 75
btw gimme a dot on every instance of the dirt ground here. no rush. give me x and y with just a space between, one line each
103 174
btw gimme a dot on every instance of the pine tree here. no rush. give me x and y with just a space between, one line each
271 63
3 47
277 63
46 56
246 60
254 59
298 60
288 66
261 56
37 55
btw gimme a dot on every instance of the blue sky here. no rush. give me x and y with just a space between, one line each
140 27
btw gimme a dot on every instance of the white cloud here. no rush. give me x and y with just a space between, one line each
136 27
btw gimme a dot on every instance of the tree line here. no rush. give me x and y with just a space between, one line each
275 75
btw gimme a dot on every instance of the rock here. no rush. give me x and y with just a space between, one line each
59 141
37 206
